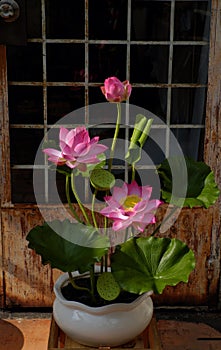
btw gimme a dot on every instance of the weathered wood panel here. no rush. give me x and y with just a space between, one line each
29 284
212 148
194 227
4 189
5 181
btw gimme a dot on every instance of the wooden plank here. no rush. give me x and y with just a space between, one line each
153 336
149 339
29 284
25 334
5 180
179 335
4 163
194 227
212 147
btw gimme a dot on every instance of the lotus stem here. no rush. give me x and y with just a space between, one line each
92 208
92 279
78 199
74 285
133 172
67 188
117 128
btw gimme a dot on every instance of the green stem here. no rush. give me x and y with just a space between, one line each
106 261
92 208
102 265
126 235
74 285
78 199
165 220
133 172
92 279
69 200
117 128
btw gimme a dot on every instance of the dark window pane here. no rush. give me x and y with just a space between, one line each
106 133
192 20
65 62
149 64
149 177
25 104
60 188
188 106
191 142
33 18
96 96
150 20
65 20
190 64
108 19
154 147
106 61
24 63
63 100
152 99
22 185
105 112
24 145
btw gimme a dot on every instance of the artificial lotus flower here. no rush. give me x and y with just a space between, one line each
77 149
115 90
130 205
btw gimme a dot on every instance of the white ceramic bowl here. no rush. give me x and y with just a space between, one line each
110 325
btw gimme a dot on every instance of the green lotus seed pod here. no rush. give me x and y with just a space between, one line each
101 179
107 286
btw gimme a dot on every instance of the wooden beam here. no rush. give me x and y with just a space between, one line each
5 180
212 147
4 169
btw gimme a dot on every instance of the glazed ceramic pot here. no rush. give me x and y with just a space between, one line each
110 325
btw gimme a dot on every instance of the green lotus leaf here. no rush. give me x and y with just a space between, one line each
202 189
210 192
68 246
148 263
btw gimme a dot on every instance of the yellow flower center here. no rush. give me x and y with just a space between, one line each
130 201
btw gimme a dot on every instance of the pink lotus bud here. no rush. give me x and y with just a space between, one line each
116 91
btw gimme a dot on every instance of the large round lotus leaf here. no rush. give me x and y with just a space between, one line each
202 189
68 246
102 180
107 286
148 263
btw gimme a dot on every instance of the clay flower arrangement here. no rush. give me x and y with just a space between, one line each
142 262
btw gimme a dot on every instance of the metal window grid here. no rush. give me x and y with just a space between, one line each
86 84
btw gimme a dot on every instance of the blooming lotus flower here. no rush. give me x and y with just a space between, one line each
77 149
130 205
115 90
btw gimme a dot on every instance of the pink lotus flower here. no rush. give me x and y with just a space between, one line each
77 149
115 90
130 205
